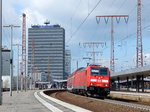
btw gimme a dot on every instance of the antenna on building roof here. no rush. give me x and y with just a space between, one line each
47 22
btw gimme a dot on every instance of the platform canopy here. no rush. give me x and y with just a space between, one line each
145 71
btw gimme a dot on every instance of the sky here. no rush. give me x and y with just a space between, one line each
70 14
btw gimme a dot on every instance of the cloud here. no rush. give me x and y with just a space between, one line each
61 11
33 17
146 59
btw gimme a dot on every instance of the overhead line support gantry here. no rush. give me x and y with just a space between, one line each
106 18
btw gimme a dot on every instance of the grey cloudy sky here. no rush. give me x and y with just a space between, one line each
71 13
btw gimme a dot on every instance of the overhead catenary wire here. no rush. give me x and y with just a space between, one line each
111 4
130 35
76 9
122 4
118 9
84 21
113 1
130 12
6 32
135 32
73 16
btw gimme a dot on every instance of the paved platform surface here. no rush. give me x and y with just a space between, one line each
131 93
60 105
21 102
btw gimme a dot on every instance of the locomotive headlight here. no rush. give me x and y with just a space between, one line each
92 84
106 84
104 80
93 80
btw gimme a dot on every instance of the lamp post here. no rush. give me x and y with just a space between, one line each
11 56
17 66
0 52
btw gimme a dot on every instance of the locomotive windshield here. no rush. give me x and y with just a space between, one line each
103 71
95 71
99 71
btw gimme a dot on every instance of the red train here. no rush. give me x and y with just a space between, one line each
91 80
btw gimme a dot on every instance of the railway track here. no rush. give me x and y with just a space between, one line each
141 108
122 103
132 105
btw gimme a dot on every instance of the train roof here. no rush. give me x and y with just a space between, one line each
96 65
84 68
80 69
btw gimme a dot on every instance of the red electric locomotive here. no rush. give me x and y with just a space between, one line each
91 80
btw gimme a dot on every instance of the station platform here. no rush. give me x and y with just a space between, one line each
21 102
35 101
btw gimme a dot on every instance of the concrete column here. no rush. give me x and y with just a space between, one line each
113 85
132 82
137 83
118 83
142 83
127 83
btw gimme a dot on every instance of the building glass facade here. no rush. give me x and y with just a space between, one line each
49 50
5 62
67 63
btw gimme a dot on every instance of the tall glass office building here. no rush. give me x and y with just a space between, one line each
47 45
67 63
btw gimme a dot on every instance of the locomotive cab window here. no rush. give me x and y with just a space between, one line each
99 71
103 71
95 71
